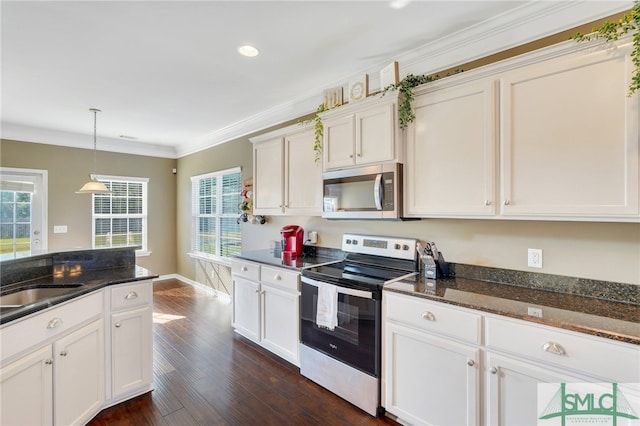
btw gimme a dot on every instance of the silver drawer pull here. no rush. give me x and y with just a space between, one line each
54 323
244 269
554 348
131 295
428 316
277 277
49 361
471 362
118 325
64 353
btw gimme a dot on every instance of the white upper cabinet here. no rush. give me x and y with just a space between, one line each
451 151
286 178
550 135
570 137
361 133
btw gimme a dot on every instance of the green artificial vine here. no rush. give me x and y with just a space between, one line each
612 31
318 130
406 86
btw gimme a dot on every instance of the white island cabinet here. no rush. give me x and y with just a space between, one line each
57 376
62 365
266 307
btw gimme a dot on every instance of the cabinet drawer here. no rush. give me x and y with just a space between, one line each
48 324
591 355
280 277
131 295
245 269
433 317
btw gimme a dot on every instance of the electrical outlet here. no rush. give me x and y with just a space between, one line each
534 258
313 237
534 312
60 229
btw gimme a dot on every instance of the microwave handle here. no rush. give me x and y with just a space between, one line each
377 191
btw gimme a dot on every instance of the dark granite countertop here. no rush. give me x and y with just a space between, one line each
273 257
605 318
89 281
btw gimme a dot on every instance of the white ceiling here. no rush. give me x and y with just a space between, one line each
168 74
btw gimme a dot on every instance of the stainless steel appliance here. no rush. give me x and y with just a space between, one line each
372 192
341 347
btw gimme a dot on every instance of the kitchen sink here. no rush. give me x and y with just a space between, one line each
32 295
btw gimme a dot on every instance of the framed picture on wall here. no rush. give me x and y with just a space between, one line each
358 88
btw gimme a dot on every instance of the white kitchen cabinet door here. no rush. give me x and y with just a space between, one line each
280 322
303 181
570 138
246 307
338 148
79 374
512 389
430 380
131 350
26 390
268 177
451 152
375 134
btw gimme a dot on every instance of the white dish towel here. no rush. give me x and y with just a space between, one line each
327 309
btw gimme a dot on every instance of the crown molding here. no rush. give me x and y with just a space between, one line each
10 131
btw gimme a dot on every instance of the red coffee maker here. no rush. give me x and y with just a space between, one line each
292 239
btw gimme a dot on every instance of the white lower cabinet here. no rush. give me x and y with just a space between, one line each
31 396
444 364
431 380
131 339
266 307
61 366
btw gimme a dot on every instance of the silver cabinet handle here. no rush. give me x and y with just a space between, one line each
257 290
507 202
49 361
244 269
494 370
351 156
428 316
54 323
131 295
471 362
554 348
487 202
118 325
64 353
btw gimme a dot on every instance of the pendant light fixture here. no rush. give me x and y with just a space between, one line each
94 186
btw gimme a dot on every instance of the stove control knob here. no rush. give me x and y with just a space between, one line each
355 242
348 241
397 246
405 247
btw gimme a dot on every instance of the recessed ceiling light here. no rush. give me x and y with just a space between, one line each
398 4
247 50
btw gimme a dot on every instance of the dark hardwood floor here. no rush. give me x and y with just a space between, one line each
205 374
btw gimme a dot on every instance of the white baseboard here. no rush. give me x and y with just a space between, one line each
222 296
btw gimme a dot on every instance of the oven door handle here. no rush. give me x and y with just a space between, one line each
342 290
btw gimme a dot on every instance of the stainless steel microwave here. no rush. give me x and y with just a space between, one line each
370 192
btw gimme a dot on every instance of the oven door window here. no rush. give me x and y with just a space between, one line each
355 339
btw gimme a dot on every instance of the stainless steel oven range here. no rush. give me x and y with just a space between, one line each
340 316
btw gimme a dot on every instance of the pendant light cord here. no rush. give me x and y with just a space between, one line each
95 142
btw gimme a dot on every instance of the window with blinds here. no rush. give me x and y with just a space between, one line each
120 218
215 230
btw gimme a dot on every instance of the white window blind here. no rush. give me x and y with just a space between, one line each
215 231
120 218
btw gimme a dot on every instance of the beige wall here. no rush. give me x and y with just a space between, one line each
69 168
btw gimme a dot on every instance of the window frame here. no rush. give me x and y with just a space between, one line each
196 215
144 250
